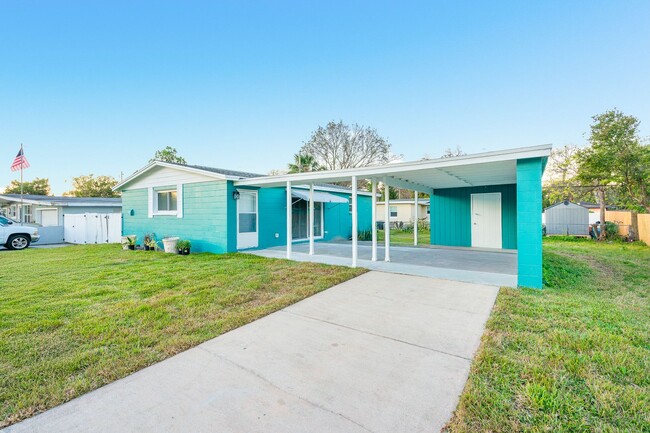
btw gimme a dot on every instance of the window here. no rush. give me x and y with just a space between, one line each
166 202
247 212
27 209
393 211
428 210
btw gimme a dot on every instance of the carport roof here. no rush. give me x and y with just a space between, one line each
481 169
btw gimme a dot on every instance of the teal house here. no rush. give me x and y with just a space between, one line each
485 213
203 205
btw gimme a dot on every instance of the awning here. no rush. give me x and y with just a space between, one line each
319 196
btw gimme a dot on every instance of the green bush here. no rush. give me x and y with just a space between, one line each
365 235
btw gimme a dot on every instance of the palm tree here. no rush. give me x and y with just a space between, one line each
303 163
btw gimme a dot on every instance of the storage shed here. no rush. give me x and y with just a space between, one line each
567 219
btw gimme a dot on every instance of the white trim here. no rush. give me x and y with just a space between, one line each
355 223
311 218
150 202
257 218
289 219
153 164
374 219
179 200
157 212
415 220
404 167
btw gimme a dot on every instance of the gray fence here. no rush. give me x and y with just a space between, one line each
50 235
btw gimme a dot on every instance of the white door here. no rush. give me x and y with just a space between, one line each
486 220
247 220
49 217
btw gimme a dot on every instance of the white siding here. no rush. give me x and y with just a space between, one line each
163 176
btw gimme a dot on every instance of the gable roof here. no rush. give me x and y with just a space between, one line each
223 174
213 172
50 200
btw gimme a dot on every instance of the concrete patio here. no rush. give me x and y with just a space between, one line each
378 353
497 268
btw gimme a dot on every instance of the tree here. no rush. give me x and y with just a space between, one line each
168 154
450 153
560 181
90 186
39 186
616 158
303 163
338 145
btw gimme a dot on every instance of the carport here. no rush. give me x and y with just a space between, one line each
486 202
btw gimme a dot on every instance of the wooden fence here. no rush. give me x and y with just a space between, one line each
629 220
644 227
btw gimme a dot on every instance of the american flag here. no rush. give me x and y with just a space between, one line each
20 162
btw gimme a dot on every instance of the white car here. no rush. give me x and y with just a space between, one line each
16 236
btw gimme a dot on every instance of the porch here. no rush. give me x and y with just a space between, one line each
497 268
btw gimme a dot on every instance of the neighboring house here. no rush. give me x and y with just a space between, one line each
203 205
403 210
567 219
61 214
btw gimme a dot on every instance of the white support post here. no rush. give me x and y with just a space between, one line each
374 220
355 223
387 221
289 220
415 222
311 219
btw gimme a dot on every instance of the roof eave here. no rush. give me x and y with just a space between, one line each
153 164
382 170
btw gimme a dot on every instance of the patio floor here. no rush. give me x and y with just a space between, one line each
498 268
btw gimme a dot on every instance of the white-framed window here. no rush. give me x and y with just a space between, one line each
166 201
393 211
27 210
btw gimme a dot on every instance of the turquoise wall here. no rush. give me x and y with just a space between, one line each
210 217
529 217
204 221
451 223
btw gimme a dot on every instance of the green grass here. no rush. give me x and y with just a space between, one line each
73 319
405 237
574 357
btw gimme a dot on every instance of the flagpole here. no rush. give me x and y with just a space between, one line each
22 219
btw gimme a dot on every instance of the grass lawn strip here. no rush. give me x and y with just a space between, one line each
76 318
574 357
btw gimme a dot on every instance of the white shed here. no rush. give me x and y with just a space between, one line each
568 219
79 220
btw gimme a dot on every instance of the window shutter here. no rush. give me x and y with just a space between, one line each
150 202
179 200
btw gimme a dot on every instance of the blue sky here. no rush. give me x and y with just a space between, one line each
97 87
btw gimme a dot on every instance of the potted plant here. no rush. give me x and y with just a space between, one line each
183 247
129 242
146 241
151 245
169 244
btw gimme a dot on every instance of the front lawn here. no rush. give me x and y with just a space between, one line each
405 237
574 357
76 318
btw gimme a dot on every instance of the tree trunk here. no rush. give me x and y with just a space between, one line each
601 201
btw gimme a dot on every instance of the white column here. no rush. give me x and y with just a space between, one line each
355 222
311 219
374 220
387 221
415 223
289 219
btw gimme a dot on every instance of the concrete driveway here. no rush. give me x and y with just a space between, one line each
379 353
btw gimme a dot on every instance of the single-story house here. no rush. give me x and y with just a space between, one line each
203 205
403 210
58 215
481 203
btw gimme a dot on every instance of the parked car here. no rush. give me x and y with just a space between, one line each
16 236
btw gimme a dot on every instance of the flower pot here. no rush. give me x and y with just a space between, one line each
183 251
170 244
125 241
146 248
131 247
